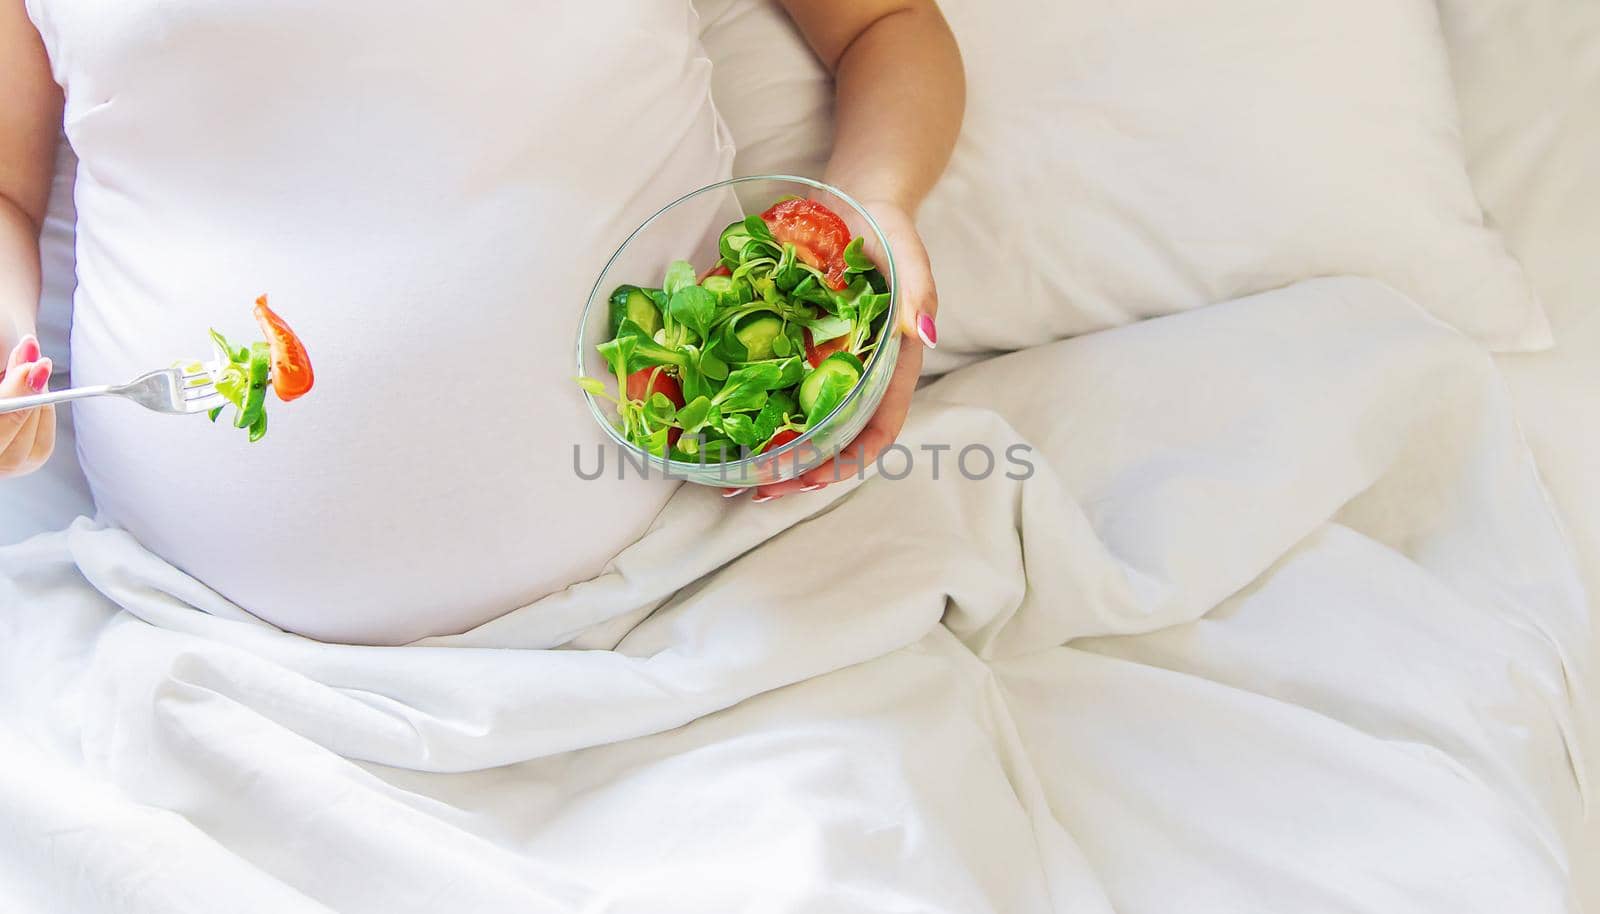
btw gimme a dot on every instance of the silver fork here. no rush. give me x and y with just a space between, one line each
188 388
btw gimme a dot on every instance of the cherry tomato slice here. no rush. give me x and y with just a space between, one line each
291 367
815 353
818 234
720 269
641 386
779 440
647 381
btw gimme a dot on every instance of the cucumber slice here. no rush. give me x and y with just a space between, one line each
643 311
828 384
258 427
255 396
718 285
634 304
757 333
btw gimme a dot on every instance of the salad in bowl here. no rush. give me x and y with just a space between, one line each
756 362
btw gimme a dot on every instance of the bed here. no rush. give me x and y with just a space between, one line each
1531 141
1314 644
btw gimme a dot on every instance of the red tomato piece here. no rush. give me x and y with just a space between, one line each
291 367
815 353
720 269
779 440
647 381
818 234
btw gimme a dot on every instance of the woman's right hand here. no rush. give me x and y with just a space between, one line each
27 436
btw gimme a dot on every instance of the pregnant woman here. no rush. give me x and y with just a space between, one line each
426 190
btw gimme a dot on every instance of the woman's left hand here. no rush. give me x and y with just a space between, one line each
919 303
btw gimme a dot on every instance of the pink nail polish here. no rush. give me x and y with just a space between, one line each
811 488
762 498
39 375
927 331
731 493
27 350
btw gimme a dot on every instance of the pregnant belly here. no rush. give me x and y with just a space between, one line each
425 486
427 203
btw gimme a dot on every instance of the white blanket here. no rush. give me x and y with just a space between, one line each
1281 622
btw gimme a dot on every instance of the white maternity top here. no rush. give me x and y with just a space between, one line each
427 191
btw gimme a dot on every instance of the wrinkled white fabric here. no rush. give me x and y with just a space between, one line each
1122 160
427 192
1281 622
1527 75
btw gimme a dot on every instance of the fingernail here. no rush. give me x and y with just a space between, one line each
27 350
926 330
811 488
762 498
39 375
730 493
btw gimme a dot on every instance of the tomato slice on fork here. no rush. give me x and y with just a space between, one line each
291 367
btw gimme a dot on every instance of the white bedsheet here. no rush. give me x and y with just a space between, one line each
1556 399
1528 76
1282 622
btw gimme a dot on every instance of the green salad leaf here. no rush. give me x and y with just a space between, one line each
714 368
742 429
828 328
693 307
756 228
242 381
680 275
698 414
856 259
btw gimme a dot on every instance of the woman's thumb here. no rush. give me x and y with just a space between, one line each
920 303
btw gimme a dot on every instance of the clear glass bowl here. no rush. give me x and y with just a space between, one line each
688 229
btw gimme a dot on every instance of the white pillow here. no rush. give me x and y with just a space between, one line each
1128 159
1527 79
774 94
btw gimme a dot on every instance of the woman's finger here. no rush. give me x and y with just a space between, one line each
14 452
863 452
913 272
919 299
21 379
927 331
18 381
44 439
852 461
26 350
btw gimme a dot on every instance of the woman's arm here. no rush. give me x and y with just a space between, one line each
30 120
900 94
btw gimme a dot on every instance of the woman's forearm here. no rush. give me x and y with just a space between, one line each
19 274
901 93
30 121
